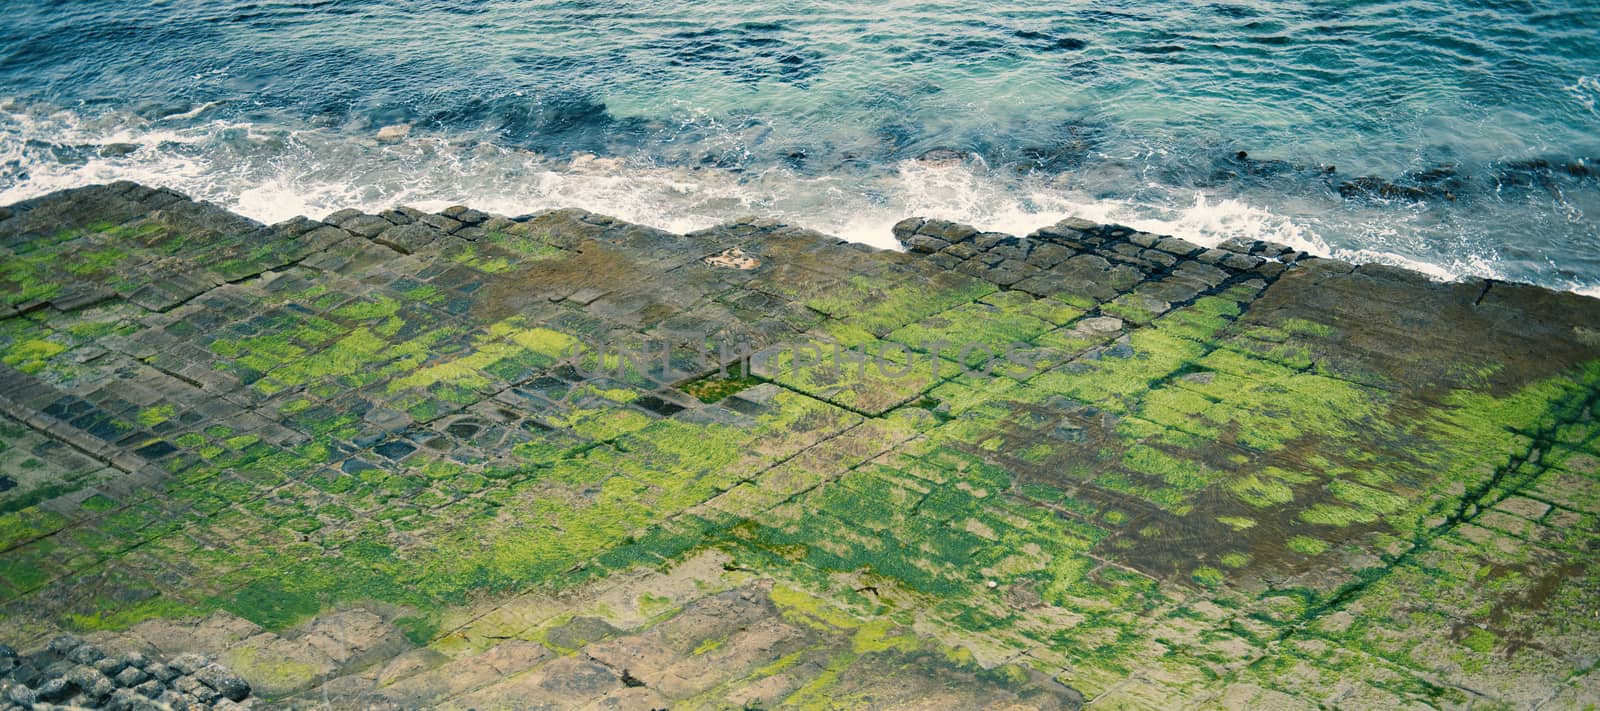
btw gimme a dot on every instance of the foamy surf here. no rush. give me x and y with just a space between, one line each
271 173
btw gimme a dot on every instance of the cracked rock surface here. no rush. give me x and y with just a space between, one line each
70 672
461 460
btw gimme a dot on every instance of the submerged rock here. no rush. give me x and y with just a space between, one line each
118 150
394 133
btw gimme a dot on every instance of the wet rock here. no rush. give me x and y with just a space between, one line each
61 646
943 156
961 251
1158 258
1070 227
1101 288
110 666
225 682
131 676
342 216
99 688
443 223
1253 166
1012 248
186 664
1056 158
1047 255
83 676
1241 262
394 133
368 226
118 150
174 700
986 240
1375 186
1143 239
952 232
125 700
86 654
21 695
150 689
161 672
58 668
907 227
924 244
397 217
1179 247
55 691
407 239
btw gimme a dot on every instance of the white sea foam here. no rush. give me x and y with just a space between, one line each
272 173
1586 91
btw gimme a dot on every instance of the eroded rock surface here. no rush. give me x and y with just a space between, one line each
71 672
378 462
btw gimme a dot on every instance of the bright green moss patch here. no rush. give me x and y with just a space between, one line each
1117 380
1328 515
368 310
872 378
18 527
526 244
1307 545
1366 497
156 414
881 308
470 255
1183 474
124 617
1208 576
968 326
1054 311
1481 641
31 356
99 503
1260 491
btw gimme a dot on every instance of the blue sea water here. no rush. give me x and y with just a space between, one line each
1475 123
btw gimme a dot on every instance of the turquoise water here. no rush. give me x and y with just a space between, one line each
1463 137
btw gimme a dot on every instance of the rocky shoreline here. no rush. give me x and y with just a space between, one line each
353 462
71 673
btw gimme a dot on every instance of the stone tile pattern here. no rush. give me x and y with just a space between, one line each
70 672
351 461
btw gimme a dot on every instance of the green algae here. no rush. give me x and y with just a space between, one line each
880 307
1307 545
715 387
964 327
526 244
31 356
1195 434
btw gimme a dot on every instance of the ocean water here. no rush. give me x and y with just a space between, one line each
1458 137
